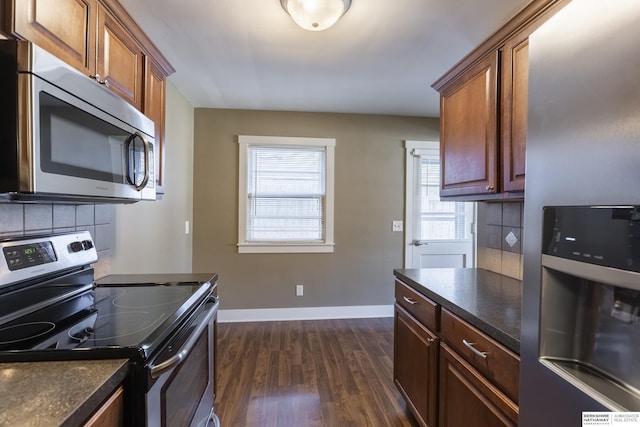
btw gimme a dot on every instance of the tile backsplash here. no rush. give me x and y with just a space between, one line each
500 232
18 219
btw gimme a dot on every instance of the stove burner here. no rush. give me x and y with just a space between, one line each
139 298
25 331
106 327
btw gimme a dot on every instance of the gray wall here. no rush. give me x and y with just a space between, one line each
369 195
150 236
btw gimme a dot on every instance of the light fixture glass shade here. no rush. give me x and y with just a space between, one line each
315 15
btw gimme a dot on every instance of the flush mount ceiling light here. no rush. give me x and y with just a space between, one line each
315 15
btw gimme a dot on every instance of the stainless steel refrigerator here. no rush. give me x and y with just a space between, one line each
583 149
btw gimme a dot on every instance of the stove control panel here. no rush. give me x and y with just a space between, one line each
24 256
29 257
78 246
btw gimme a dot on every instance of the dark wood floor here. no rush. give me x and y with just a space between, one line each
317 373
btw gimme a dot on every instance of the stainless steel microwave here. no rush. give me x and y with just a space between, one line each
65 137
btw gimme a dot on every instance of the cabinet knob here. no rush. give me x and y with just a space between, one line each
489 188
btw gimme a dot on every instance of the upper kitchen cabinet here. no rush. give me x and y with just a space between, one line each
513 110
483 112
120 59
154 108
468 139
66 28
101 40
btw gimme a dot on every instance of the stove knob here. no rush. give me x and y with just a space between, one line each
75 246
87 244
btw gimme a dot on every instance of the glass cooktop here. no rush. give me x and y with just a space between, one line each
126 317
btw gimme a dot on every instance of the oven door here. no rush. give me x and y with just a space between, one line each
183 375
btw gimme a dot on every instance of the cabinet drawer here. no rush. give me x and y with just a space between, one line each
468 398
420 307
493 360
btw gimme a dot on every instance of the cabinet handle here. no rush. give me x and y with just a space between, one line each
410 300
96 77
475 351
489 188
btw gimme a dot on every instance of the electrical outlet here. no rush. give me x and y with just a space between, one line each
396 226
299 290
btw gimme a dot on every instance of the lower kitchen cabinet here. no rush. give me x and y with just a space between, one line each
450 373
415 366
468 399
111 413
495 362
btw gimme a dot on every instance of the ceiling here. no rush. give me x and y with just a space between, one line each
380 58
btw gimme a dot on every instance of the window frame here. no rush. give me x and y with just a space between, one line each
285 246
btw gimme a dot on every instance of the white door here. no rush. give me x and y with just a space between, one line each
437 234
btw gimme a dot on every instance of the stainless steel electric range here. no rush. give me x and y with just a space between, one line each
51 308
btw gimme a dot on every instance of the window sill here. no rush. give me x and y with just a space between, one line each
284 248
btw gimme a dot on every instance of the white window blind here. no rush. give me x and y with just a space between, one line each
285 198
286 194
438 220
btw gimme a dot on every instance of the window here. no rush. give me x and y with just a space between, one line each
285 194
438 220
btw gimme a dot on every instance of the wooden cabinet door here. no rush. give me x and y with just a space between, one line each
65 28
111 413
154 108
120 59
467 399
514 98
468 131
415 369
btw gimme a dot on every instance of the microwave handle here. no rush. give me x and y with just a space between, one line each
145 143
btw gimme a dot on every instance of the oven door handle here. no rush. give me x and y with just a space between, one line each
170 363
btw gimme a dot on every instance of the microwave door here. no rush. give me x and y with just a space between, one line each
79 149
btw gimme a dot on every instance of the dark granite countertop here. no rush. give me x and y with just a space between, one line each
489 301
58 393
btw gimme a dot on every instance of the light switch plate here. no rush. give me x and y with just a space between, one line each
396 226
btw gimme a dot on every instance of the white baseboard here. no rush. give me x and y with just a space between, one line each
305 313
